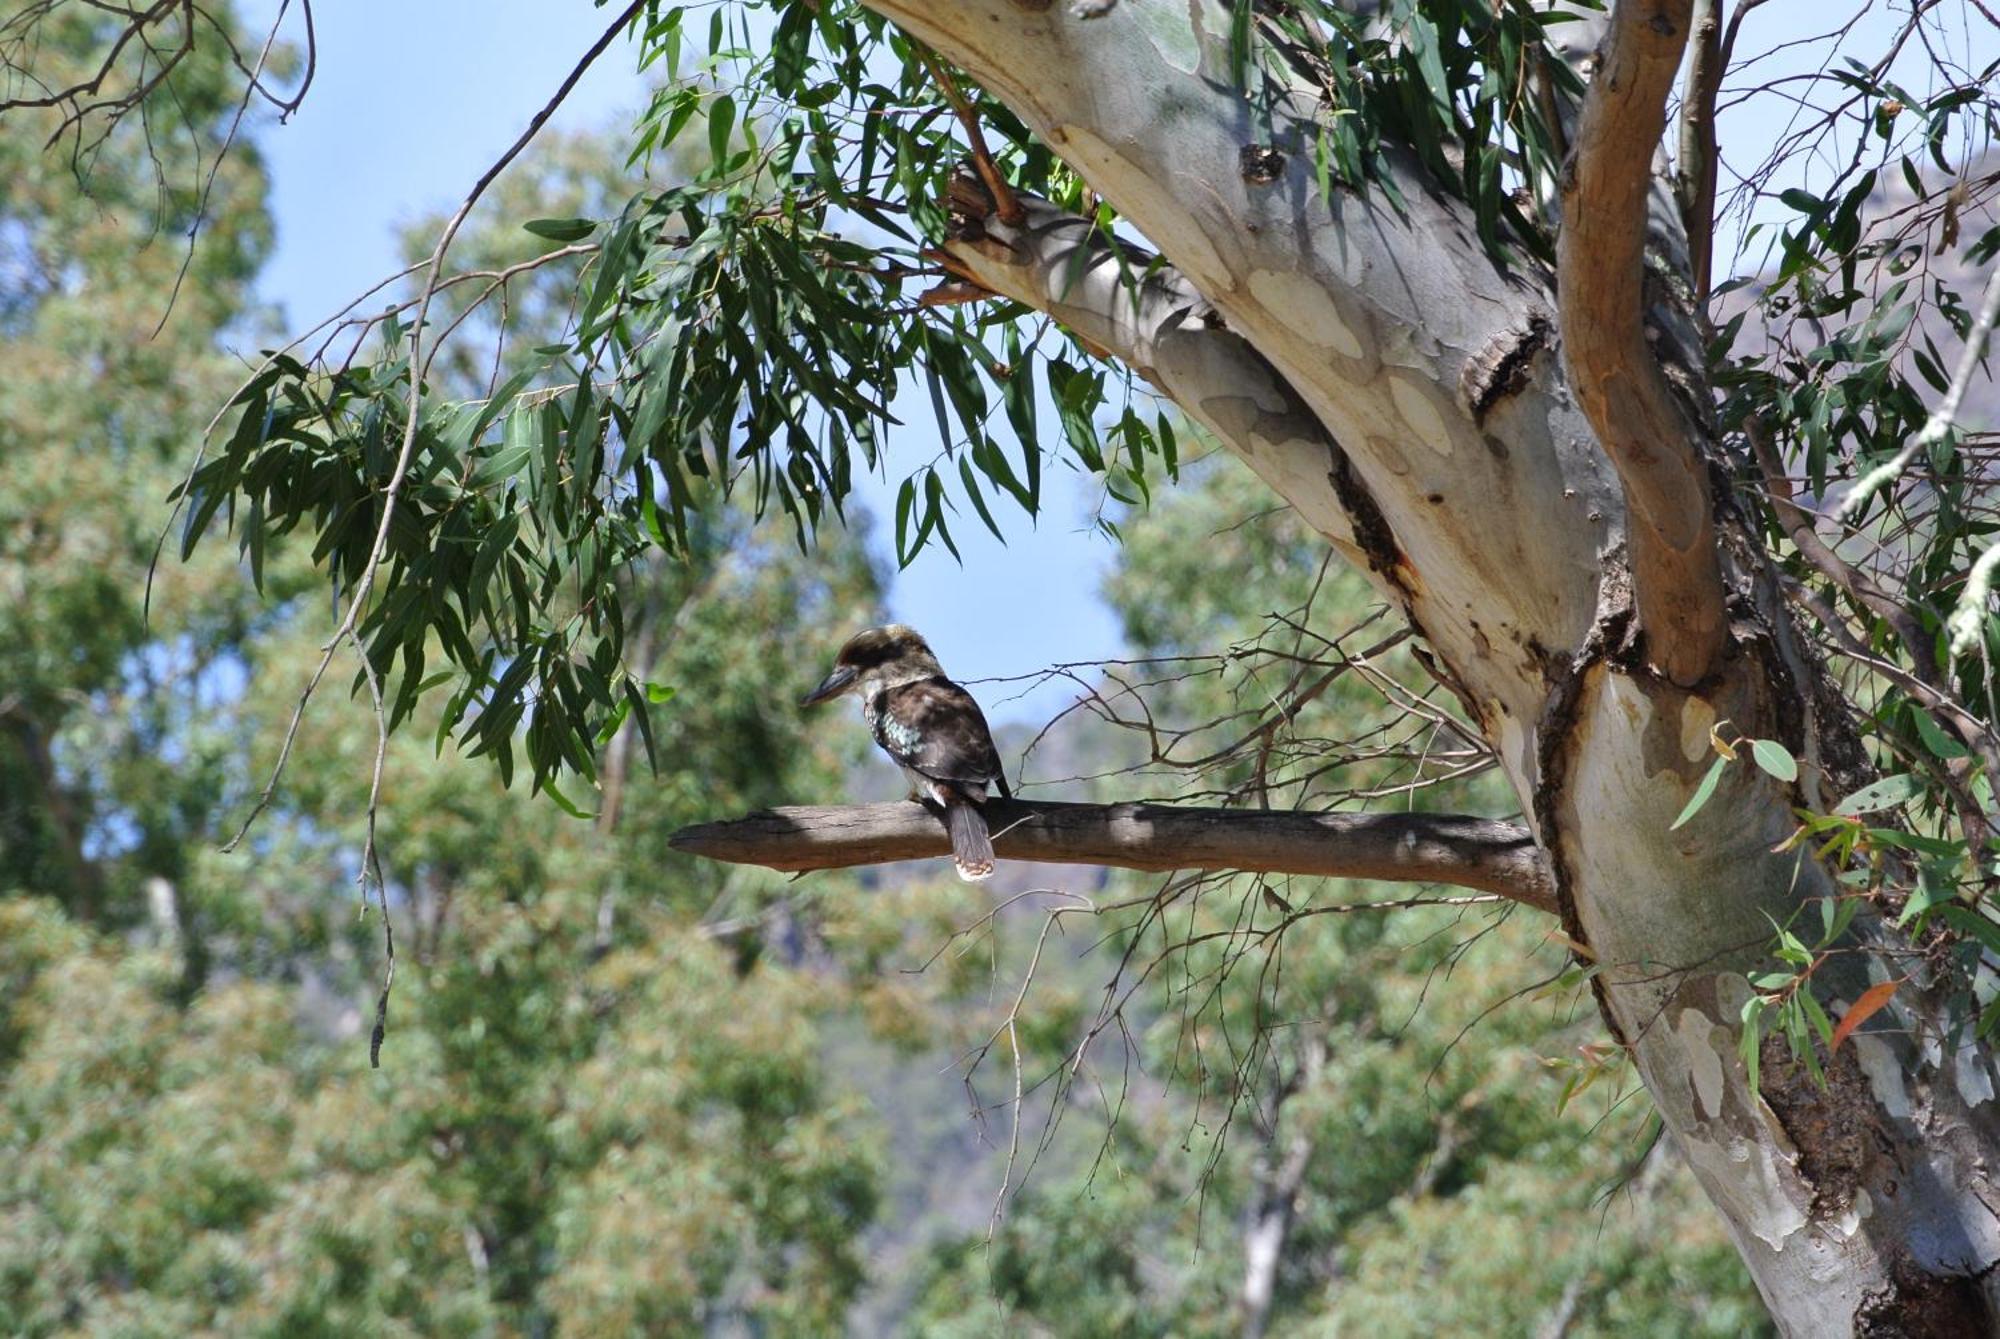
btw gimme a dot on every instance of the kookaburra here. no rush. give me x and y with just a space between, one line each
930 726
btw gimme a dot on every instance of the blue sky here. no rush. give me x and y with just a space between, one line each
412 101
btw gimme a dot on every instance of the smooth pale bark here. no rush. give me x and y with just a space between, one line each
1483 501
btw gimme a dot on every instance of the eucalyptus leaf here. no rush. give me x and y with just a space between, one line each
1897 788
1702 792
1775 759
561 230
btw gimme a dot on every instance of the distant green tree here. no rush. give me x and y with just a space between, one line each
111 370
598 1117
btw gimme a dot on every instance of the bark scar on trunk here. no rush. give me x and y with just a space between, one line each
1371 531
1260 164
1504 366
1832 1128
1918 1304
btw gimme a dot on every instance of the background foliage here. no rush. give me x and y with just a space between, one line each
624 1092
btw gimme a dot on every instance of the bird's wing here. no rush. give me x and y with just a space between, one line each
934 728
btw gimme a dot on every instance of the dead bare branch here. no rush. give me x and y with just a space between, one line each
1484 854
1005 205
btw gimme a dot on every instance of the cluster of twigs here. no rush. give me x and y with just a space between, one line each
140 52
1276 740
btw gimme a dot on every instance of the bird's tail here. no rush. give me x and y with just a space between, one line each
971 843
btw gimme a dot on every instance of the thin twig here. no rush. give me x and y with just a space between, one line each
250 89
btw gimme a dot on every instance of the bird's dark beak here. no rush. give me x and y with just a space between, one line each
833 685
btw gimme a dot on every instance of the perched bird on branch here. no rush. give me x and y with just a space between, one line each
930 726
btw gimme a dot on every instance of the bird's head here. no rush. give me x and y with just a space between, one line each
889 654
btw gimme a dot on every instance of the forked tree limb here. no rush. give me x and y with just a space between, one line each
1601 266
1479 853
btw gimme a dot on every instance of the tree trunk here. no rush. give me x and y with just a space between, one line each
1276 1180
1276 1190
1412 403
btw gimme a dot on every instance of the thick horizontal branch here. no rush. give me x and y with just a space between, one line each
1601 267
1480 853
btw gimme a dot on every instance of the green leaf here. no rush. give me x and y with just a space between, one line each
1897 788
1969 922
1948 847
1077 393
1816 1015
561 230
906 498
1775 758
564 802
1935 739
643 715
1836 914
1750 1045
721 121
609 730
1701 793
1989 1018
971 482
499 403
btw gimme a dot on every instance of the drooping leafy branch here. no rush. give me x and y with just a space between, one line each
760 326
